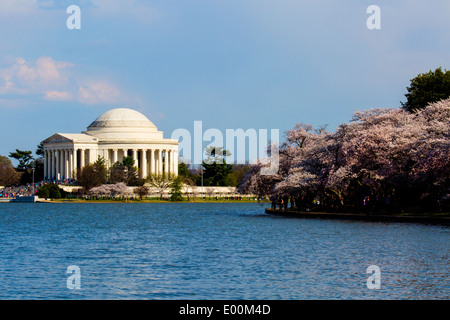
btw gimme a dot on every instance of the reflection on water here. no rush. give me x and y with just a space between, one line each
212 251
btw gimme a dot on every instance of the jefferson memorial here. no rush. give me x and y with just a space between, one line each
114 135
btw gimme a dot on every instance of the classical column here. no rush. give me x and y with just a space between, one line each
172 162
61 165
55 164
89 156
175 162
125 153
105 155
169 161
69 174
53 173
160 164
143 163
152 161
166 161
83 158
115 157
93 155
66 164
155 161
45 164
149 161
69 163
75 163
135 158
58 164
49 164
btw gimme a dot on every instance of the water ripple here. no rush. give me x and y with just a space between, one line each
212 251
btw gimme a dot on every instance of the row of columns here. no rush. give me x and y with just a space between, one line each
151 160
60 164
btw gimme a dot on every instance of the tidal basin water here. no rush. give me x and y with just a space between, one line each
212 251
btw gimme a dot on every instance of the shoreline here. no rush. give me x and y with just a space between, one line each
429 219
146 201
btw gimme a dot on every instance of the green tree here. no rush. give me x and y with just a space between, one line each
8 175
24 158
427 88
40 150
89 177
27 174
185 172
126 172
175 190
183 169
131 172
51 190
215 168
116 173
100 168
128 162
237 174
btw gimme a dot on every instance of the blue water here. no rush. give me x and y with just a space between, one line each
212 251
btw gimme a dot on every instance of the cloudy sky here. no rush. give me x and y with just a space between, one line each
230 63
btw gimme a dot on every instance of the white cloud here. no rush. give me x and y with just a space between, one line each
33 77
58 95
56 81
13 7
98 92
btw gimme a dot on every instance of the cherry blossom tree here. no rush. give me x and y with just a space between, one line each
119 189
380 154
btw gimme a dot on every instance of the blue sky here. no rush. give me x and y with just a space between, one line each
232 64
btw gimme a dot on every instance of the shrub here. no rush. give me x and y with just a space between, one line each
51 190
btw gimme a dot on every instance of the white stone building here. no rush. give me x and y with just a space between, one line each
115 134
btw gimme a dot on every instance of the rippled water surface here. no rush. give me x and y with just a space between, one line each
212 251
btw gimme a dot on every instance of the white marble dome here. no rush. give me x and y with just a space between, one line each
122 117
123 124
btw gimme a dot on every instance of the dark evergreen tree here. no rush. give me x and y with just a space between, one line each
427 88
175 190
24 158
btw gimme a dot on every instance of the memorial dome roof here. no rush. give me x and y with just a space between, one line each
124 125
122 117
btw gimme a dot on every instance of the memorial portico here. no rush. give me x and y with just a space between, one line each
116 134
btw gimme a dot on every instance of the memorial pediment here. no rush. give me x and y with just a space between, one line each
69 137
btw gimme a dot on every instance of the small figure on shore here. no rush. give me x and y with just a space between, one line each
274 202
